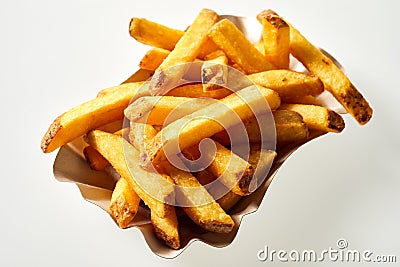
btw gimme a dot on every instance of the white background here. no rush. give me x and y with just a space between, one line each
57 54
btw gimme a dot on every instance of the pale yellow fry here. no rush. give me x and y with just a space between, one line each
318 118
334 79
238 49
191 129
276 38
153 189
89 115
157 35
124 203
186 50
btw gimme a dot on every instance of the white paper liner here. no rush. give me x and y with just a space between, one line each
97 186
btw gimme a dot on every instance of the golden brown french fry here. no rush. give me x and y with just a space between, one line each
153 189
276 38
89 115
153 59
191 129
167 228
226 201
306 100
289 84
95 160
318 118
194 199
260 47
112 127
233 171
186 50
157 35
214 71
334 79
209 216
261 160
289 126
155 110
238 49
196 91
140 75
124 203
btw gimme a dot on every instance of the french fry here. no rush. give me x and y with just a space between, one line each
209 216
191 129
261 160
153 59
335 81
95 160
318 118
124 203
260 47
238 49
157 35
167 228
289 84
306 100
276 38
226 201
289 125
88 116
186 50
154 190
196 201
233 171
196 91
140 75
155 110
214 71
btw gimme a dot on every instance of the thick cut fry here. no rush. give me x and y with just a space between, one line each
233 171
214 71
153 59
88 116
156 110
261 159
306 100
154 34
139 76
289 84
167 228
191 129
153 189
124 203
334 79
289 126
238 49
196 91
186 50
260 47
95 160
209 216
276 38
194 199
318 118
226 201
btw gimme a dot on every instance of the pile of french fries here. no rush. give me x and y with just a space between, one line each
138 152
